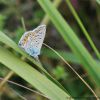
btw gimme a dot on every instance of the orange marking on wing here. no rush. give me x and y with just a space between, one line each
25 40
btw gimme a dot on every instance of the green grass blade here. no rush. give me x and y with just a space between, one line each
32 76
6 40
83 28
10 43
98 1
72 40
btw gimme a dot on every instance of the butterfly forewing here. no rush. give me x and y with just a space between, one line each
32 41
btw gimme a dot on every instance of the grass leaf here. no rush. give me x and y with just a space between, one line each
72 40
10 43
31 75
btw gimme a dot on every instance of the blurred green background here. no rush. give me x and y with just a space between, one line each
12 14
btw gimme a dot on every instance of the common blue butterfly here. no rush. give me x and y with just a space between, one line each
31 41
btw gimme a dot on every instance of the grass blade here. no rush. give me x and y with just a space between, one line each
89 87
32 76
10 43
72 40
83 28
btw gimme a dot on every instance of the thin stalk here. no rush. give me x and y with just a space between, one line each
23 23
73 70
24 87
5 79
18 94
83 28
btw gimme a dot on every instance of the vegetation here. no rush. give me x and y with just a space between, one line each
68 67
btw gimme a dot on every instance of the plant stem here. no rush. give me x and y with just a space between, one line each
24 87
23 23
6 79
73 71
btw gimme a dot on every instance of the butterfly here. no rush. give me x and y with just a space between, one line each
31 41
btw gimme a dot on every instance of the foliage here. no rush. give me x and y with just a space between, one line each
52 78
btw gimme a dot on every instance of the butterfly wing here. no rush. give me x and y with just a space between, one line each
38 38
32 41
24 39
39 35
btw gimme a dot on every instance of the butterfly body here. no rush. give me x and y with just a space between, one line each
32 41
